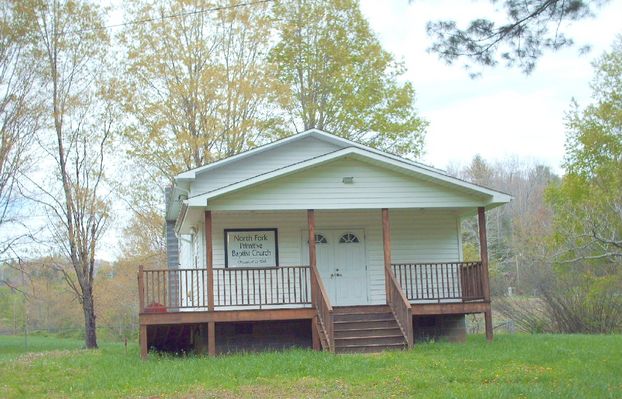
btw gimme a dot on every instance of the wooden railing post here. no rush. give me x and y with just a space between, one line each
141 289
483 248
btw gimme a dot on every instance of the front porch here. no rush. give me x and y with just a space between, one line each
213 298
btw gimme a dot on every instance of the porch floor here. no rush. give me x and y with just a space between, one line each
219 316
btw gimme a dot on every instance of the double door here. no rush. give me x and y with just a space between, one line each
342 265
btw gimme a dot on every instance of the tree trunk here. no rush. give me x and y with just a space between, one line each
90 332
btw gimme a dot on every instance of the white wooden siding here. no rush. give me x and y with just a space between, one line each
416 235
426 237
194 287
263 162
185 250
322 188
198 247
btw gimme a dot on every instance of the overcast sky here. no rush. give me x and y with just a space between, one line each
504 113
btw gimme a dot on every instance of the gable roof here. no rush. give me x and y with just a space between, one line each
392 162
191 174
181 203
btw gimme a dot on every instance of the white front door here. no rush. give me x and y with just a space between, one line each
342 265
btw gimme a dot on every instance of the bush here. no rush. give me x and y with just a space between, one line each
577 302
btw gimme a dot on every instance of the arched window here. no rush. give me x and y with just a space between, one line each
320 239
348 238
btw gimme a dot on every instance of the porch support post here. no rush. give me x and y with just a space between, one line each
143 342
488 323
483 248
209 260
209 263
211 338
312 256
386 243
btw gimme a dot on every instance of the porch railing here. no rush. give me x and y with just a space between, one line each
445 281
169 290
472 280
262 286
165 290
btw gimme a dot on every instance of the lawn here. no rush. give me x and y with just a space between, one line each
532 366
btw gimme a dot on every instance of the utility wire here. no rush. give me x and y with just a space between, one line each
181 14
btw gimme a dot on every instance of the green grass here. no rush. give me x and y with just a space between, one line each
13 346
572 366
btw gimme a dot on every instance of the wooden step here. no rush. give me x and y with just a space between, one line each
363 316
368 348
361 309
370 341
364 329
367 332
363 324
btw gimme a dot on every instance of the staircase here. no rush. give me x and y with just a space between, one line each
360 329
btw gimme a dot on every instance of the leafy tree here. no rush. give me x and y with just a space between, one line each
143 197
579 291
20 116
71 44
588 203
196 85
340 78
531 28
196 88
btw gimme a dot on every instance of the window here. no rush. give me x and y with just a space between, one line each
320 239
348 238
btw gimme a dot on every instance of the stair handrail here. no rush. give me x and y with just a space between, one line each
400 306
324 309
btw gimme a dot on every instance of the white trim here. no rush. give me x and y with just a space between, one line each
364 154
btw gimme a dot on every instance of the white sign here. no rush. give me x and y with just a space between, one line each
251 248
